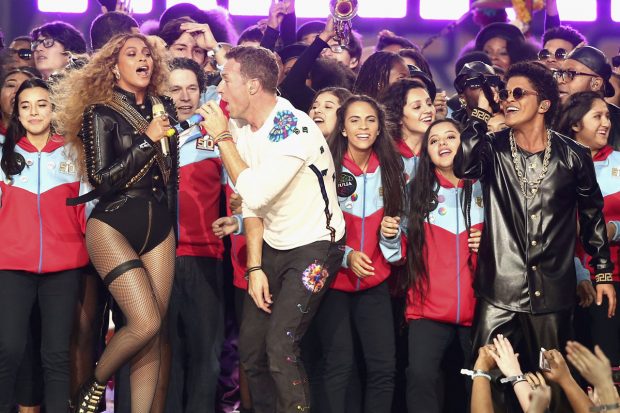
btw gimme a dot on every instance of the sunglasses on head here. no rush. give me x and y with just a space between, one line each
47 43
516 93
24 54
560 54
569 75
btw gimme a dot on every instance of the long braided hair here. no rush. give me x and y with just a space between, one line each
422 195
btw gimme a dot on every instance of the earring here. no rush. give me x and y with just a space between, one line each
462 102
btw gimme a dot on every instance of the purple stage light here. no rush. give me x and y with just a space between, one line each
394 9
201 4
510 12
252 8
615 10
438 10
577 11
142 6
65 6
320 8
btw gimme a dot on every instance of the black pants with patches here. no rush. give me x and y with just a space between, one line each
269 344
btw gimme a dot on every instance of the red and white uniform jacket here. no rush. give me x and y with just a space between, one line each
360 196
450 295
200 186
38 231
607 168
410 159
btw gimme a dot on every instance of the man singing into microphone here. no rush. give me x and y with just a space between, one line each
282 167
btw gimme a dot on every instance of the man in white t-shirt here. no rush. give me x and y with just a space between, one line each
282 167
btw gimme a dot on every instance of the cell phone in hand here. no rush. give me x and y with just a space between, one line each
543 364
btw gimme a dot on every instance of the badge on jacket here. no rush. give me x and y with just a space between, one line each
205 143
346 185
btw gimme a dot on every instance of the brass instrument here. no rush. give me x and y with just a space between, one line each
343 11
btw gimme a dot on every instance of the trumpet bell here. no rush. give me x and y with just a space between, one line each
343 10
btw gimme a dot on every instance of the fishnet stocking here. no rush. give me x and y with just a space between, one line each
142 295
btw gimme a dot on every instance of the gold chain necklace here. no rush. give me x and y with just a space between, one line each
524 183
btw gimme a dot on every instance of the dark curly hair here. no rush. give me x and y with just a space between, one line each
394 99
543 82
328 72
64 33
191 65
374 75
573 111
565 33
392 177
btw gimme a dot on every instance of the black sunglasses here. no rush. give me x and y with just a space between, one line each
560 54
24 54
615 61
516 93
47 43
569 75
478 81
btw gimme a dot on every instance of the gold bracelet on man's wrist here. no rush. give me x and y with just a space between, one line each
604 278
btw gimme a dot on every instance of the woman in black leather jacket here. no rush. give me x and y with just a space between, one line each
110 110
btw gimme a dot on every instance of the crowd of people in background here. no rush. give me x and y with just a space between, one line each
460 251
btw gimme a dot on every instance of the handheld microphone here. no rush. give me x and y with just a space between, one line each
158 110
186 124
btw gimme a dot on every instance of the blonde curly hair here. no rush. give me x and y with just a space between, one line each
93 84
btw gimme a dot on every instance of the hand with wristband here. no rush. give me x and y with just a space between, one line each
258 288
508 363
481 387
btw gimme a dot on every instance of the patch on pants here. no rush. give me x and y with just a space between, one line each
314 277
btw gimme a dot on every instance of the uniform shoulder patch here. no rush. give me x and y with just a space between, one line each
284 124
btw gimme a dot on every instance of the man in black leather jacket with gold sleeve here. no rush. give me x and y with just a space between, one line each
535 183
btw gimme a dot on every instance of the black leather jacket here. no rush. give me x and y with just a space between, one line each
525 259
121 161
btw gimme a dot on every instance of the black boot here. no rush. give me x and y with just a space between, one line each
90 398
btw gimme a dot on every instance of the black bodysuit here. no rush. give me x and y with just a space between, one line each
135 183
